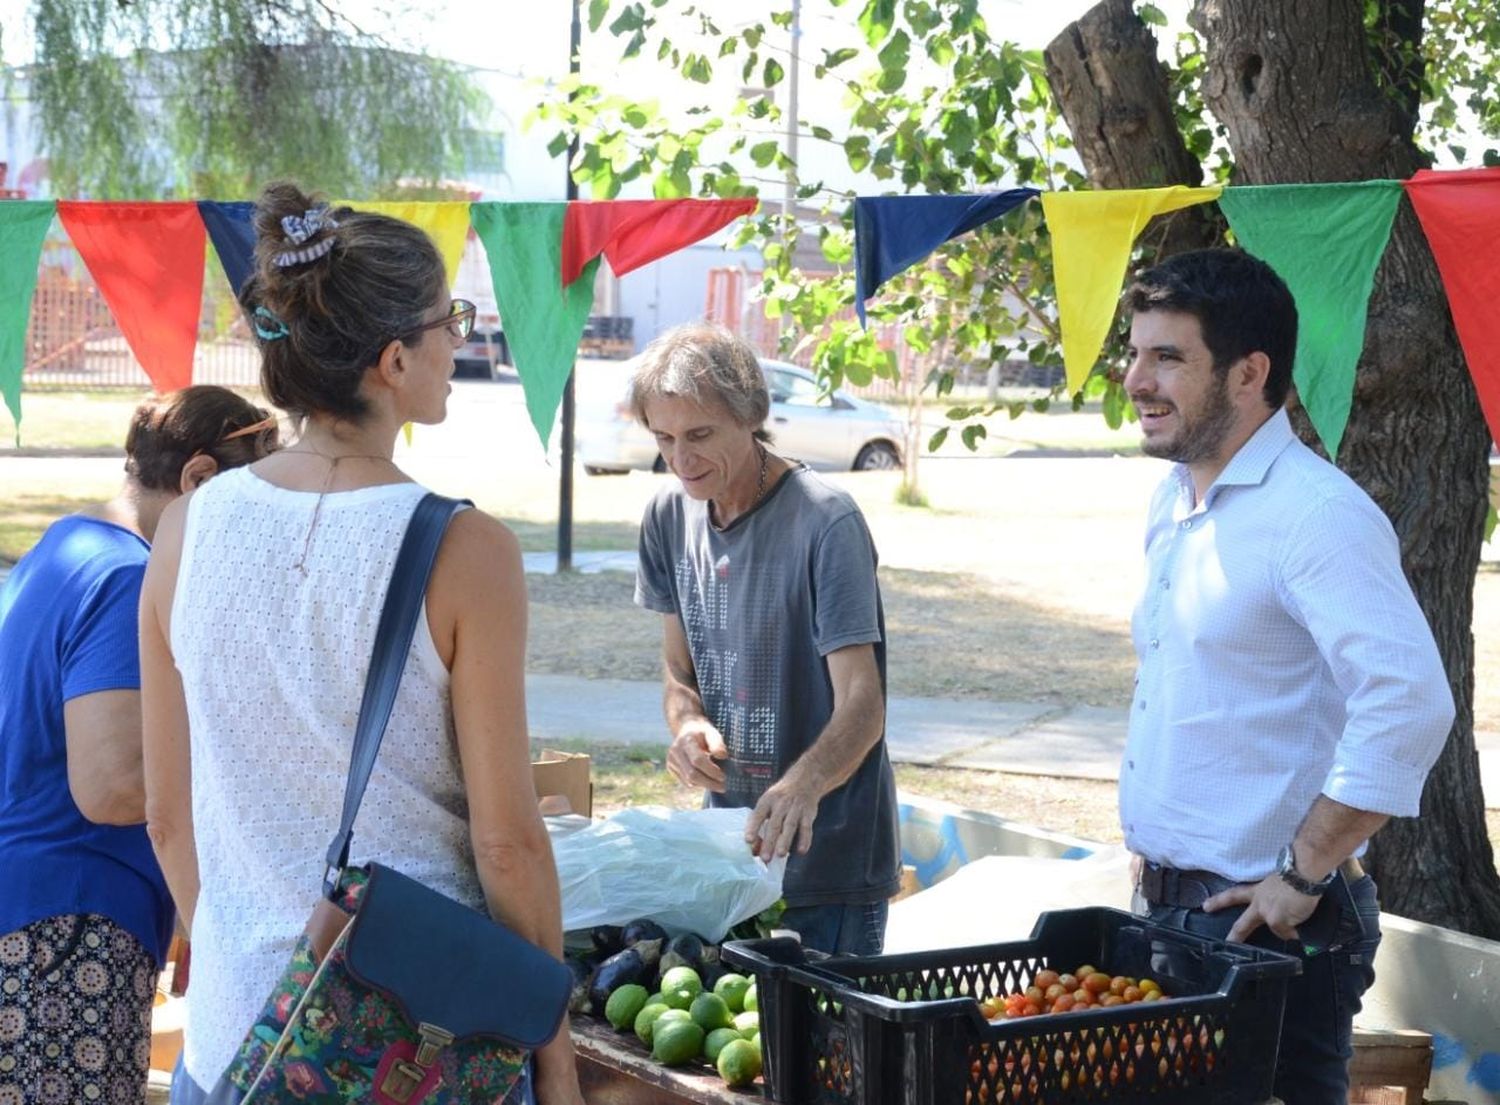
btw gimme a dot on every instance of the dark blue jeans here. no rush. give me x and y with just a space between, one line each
1317 1030
840 929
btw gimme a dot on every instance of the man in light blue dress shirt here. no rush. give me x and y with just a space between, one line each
1289 696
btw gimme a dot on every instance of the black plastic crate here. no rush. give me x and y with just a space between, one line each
856 1030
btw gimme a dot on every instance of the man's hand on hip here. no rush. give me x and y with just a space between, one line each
693 752
782 819
1270 902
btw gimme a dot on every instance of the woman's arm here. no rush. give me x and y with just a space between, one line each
164 724
477 610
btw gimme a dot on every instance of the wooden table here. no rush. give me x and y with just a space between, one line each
614 1068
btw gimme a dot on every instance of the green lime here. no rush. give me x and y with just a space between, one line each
676 1042
624 1004
709 1011
675 1015
715 1041
747 1024
646 1018
739 1063
680 986
732 989
752 1000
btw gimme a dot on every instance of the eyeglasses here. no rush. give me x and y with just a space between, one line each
459 321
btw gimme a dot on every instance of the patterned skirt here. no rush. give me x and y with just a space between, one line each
75 1013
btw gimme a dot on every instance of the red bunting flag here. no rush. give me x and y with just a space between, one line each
147 259
632 233
1460 214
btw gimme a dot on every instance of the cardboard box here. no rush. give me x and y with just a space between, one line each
566 775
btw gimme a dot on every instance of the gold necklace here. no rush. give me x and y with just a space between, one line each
333 463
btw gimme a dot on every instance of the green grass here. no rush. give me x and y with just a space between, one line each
587 536
72 419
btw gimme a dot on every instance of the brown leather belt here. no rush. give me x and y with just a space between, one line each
1169 886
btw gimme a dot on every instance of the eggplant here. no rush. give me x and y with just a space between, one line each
639 930
578 997
710 973
635 964
607 940
683 951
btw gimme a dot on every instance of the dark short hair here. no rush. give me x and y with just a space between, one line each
374 282
166 431
1238 300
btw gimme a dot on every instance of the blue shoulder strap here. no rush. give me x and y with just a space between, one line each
393 636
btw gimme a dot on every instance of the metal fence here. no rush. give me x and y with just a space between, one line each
73 343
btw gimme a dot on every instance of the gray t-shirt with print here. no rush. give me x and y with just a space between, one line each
762 603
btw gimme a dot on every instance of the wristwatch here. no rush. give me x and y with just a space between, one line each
1286 867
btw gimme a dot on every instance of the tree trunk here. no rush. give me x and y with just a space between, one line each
1291 82
1113 93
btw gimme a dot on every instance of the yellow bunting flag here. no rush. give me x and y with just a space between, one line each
1092 235
446 223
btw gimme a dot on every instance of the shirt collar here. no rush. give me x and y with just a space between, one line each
1251 462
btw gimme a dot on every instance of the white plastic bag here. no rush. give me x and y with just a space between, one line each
687 870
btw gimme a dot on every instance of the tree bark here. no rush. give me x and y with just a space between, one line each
1114 97
1293 84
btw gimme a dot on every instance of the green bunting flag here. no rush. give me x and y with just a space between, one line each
1325 241
23 225
542 320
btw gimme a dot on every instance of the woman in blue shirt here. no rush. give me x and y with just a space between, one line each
85 916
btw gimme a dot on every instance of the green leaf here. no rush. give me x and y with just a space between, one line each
558 146
857 150
763 153
1151 15
877 19
893 58
832 59
597 10
772 74
822 132
973 435
935 442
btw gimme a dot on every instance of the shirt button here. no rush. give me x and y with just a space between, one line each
1130 764
1187 523
1143 704
1166 584
1155 643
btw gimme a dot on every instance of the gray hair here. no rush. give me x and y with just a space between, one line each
703 362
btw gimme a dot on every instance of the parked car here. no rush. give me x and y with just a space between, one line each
485 356
840 433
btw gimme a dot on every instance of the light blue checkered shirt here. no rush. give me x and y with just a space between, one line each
1281 655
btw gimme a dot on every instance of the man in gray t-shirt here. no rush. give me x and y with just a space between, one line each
774 640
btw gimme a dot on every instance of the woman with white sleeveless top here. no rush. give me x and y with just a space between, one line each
257 621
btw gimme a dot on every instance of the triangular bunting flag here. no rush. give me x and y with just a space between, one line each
231 228
632 233
1325 241
543 320
147 259
23 225
446 223
892 233
1092 235
1460 214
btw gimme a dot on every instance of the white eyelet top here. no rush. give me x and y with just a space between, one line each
273 667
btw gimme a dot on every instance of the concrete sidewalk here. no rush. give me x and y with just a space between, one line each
1028 738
